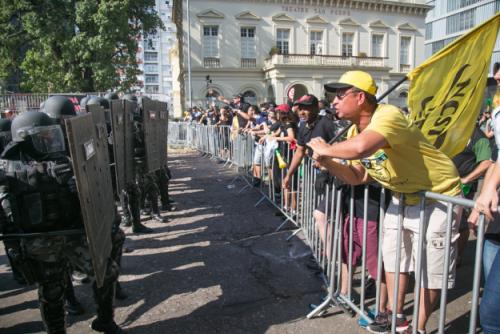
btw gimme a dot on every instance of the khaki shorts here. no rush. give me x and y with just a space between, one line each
434 245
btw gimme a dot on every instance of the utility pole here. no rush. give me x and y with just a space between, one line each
190 88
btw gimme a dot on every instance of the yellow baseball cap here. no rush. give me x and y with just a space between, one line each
358 79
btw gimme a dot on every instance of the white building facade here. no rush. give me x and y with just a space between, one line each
154 57
450 19
272 50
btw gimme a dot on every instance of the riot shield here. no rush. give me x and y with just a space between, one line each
122 124
163 132
87 138
151 127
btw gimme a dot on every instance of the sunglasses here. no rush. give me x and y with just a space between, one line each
341 96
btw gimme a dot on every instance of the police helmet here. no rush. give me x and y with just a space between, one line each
58 107
130 97
98 100
111 96
39 131
83 102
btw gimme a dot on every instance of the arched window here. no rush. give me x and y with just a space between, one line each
296 91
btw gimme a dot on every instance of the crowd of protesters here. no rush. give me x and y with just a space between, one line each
382 148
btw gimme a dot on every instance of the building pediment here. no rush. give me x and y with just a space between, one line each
406 26
282 18
378 24
348 22
247 15
210 14
316 20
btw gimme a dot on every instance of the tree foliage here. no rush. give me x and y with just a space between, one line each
73 45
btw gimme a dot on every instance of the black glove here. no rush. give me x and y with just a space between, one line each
62 172
72 185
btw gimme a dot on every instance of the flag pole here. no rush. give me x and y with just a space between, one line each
390 90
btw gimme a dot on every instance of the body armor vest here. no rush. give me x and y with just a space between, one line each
38 202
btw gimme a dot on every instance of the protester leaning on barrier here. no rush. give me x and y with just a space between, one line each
472 163
487 203
286 145
383 145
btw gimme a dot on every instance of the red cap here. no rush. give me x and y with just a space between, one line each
283 108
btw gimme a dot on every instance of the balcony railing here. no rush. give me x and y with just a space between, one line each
403 68
211 62
248 62
323 60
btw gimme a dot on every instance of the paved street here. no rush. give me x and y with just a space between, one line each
216 267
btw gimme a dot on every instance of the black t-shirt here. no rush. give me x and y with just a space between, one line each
242 122
323 127
275 126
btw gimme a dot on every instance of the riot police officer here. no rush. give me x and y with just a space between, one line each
38 194
131 197
147 181
5 138
60 108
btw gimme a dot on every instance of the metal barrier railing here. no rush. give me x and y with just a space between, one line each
324 227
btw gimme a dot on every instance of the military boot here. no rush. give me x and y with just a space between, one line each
104 322
139 228
51 297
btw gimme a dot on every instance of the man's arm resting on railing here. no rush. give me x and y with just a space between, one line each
347 173
357 147
296 160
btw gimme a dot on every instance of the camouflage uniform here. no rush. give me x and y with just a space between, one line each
33 201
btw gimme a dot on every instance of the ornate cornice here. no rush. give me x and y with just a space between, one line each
388 6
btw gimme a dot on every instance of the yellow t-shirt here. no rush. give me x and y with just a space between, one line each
411 164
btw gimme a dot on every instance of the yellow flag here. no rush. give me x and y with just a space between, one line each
446 91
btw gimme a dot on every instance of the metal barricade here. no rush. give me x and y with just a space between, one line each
330 231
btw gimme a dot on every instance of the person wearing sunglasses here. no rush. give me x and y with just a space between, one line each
383 145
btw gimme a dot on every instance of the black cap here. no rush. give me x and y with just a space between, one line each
307 100
334 86
496 68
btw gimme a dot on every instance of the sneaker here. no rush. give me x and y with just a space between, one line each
382 323
409 330
364 323
126 221
157 217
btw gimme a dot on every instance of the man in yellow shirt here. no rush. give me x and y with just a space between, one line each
383 145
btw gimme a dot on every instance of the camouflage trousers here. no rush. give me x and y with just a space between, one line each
67 250
46 261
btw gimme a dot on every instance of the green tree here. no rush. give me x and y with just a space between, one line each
74 45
